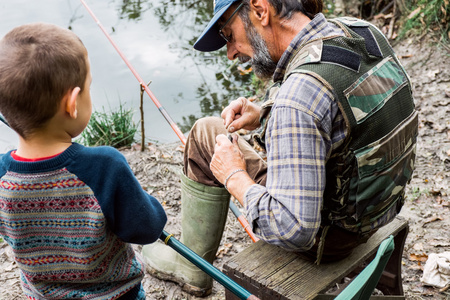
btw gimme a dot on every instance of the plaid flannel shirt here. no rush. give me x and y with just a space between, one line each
304 128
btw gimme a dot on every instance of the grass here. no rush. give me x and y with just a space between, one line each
416 192
114 129
426 15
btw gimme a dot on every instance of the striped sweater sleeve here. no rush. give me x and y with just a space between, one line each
132 214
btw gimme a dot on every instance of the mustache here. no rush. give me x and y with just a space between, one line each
244 59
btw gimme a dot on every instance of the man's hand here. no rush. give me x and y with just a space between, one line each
227 157
241 114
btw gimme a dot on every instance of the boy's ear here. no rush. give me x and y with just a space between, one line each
71 102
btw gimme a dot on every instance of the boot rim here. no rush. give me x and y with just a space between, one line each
215 190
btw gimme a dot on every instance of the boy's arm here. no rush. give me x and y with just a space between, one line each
132 214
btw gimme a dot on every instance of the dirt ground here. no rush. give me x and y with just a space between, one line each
427 207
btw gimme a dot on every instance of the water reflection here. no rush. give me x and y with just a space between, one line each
157 37
192 16
133 9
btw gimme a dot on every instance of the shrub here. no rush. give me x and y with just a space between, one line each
114 129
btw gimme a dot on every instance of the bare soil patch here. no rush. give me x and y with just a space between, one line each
427 207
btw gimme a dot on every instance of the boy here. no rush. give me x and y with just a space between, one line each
67 211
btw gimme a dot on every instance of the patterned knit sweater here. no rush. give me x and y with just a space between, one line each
69 220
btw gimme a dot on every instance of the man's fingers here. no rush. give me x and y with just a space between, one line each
229 118
233 111
235 139
220 139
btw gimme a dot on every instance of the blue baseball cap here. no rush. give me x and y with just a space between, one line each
210 40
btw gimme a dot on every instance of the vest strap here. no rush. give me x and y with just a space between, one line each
371 43
342 57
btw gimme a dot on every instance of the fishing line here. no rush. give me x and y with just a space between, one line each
138 77
233 206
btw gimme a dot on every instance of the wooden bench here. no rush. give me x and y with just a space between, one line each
270 272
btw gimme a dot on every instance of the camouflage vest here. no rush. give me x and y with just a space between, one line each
366 176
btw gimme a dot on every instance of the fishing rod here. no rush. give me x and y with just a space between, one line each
206 267
139 78
181 136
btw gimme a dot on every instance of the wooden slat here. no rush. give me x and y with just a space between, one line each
272 270
390 297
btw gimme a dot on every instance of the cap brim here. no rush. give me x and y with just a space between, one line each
210 40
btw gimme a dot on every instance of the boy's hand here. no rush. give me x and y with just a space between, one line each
241 113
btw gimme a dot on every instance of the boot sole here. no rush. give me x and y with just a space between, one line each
191 289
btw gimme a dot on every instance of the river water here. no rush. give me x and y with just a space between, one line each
157 37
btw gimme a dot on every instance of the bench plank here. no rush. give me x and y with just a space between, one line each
271 272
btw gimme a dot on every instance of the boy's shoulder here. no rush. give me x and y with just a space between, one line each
101 154
95 162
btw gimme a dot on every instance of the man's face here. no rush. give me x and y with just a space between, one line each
261 61
247 44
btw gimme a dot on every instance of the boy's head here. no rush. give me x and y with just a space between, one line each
39 64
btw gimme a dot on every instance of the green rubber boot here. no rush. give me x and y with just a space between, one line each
204 213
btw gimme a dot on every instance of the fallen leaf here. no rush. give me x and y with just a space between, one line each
414 13
418 257
432 219
136 147
432 74
444 288
442 103
415 267
436 243
242 71
387 16
224 250
166 156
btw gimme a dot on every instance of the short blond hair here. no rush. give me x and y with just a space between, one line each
39 63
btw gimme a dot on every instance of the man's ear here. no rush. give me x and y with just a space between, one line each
260 10
71 102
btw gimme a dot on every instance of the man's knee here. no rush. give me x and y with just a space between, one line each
206 129
213 124
200 149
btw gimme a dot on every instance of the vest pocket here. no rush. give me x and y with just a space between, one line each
384 168
372 90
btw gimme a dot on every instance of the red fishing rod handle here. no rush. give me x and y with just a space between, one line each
243 221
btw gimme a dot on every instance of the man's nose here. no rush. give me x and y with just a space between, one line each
232 52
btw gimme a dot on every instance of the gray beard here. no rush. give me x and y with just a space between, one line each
262 62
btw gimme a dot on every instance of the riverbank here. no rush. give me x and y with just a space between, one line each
427 207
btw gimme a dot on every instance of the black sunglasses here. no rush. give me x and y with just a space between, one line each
228 38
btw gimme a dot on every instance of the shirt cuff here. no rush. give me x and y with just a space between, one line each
251 203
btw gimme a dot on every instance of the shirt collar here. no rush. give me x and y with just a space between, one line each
318 27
